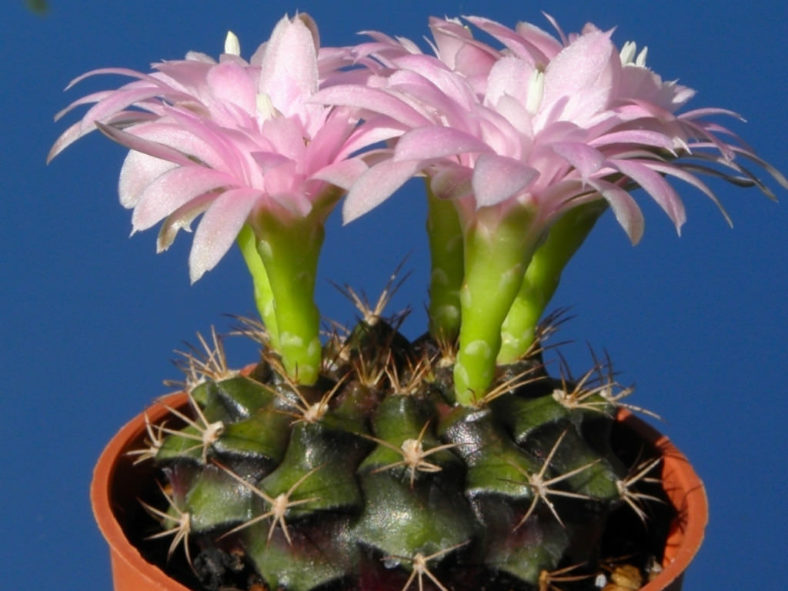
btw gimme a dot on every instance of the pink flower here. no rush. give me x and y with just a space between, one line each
518 138
546 123
229 139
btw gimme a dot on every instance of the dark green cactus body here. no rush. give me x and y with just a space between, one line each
386 479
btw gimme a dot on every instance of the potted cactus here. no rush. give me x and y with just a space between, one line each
363 459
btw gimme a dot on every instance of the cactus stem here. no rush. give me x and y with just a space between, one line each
634 498
541 487
180 531
413 454
279 504
419 566
153 442
209 433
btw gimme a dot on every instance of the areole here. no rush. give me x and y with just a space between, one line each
114 488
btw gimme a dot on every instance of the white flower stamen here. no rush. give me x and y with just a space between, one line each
232 46
535 92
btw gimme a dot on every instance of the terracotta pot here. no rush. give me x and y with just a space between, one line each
116 488
687 495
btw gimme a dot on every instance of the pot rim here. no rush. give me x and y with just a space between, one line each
687 494
130 570
682 486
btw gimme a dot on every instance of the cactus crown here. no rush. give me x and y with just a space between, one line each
374 478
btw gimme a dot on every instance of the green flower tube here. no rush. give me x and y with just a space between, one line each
497 253
290 249
446 267
263 296
542 277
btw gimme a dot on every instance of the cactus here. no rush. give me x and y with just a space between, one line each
375 479
369 461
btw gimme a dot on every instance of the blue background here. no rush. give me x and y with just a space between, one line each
90 317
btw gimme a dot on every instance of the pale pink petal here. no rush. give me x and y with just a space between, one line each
539 39
515 113
286 136
329 141
172 190
115 71
624 207
374 100
584 74
181 219
437 88
634 136
655 186
117 101
586 160
428 72
78 130
641 83
710 111
343 173
284 185
218 229
496 178
152 148
188 75
452 182
459 50
426 143
519 46
138 171
204 140
288 72
231 84
509 77
680 173
375 186
85 100
375 130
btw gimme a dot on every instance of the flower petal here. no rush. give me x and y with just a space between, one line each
624 207
372 99
172 190
151 148
231 84
497 178
655 186
138 171
375 186
426 143
586 160
181 219
288 72
343 173
585 75
218 229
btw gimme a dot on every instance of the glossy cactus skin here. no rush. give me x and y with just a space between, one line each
374 478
